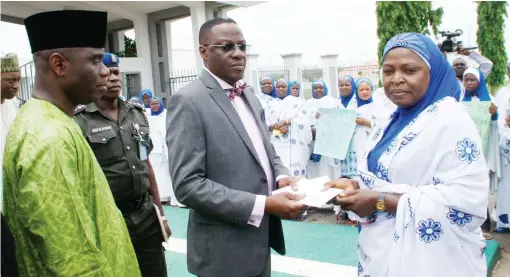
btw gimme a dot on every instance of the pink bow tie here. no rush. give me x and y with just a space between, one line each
234 92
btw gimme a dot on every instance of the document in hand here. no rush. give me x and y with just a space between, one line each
312 189
163 231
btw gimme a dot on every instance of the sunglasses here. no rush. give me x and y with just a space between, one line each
229 46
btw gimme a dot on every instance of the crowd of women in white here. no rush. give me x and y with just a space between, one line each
292 122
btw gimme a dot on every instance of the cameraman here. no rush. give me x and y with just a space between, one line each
460 65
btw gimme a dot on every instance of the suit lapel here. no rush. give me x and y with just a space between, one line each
220 97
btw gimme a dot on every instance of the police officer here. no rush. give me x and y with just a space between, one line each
118 133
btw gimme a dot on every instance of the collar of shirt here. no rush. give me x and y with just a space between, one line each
224 85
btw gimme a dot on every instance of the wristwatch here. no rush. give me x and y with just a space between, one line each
380 205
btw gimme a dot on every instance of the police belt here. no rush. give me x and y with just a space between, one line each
131 206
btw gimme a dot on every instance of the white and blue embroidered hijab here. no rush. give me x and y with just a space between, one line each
443 83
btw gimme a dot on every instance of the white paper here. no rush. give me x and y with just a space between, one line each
312 189
163 231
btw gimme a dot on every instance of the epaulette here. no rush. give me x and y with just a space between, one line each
79 109
141 109
138 106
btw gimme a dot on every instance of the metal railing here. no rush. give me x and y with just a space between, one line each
364 69
275 72
181 78
312 73
26 83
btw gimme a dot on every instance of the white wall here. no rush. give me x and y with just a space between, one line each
138 65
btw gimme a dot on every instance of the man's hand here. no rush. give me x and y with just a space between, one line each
493 109
167 228
284 130
361 202
289 181
462 51
342 183
284 205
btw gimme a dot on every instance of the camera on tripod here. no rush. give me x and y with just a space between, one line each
450 44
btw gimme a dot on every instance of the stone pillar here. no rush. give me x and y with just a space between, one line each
144 52
251 71
121 42
168 28
330 73
293 64
198 17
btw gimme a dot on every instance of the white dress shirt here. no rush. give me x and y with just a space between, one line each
250 123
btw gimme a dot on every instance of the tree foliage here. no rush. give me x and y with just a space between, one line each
491 40
129 48
395 17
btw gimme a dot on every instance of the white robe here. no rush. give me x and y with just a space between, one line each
503 188
9 110
492 157
293 147
438 167
310 110
159 158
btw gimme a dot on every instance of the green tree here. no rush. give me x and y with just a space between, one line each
491 40
395 17
130 48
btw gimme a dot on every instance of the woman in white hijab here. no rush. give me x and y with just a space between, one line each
159 154
318 166
503 189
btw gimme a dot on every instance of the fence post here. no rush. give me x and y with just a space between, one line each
251 71
293 63
330 73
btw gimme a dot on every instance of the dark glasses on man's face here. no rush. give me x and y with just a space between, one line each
229 46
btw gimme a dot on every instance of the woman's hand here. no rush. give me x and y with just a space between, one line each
508 120
361 202
363 122
342 183
493 109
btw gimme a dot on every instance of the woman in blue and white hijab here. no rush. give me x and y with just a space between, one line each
291 136
422 191
318 166
294 88
366 113
159 154
147 95
347 88
366 118
268 91
476 90
268 100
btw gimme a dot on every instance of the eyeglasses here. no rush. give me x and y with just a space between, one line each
229 46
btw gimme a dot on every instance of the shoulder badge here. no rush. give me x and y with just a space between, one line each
79 109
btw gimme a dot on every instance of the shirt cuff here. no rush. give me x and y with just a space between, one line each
281 177
258 211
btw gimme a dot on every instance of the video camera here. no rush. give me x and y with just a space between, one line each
450 44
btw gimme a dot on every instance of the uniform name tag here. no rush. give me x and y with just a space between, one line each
100 129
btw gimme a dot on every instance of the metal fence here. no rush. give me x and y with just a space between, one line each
364 69
275 72
312 73
26 83
181 78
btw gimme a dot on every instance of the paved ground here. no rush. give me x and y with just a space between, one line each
309 251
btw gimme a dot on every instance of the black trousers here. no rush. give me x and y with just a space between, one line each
9 264
486 226
147 241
